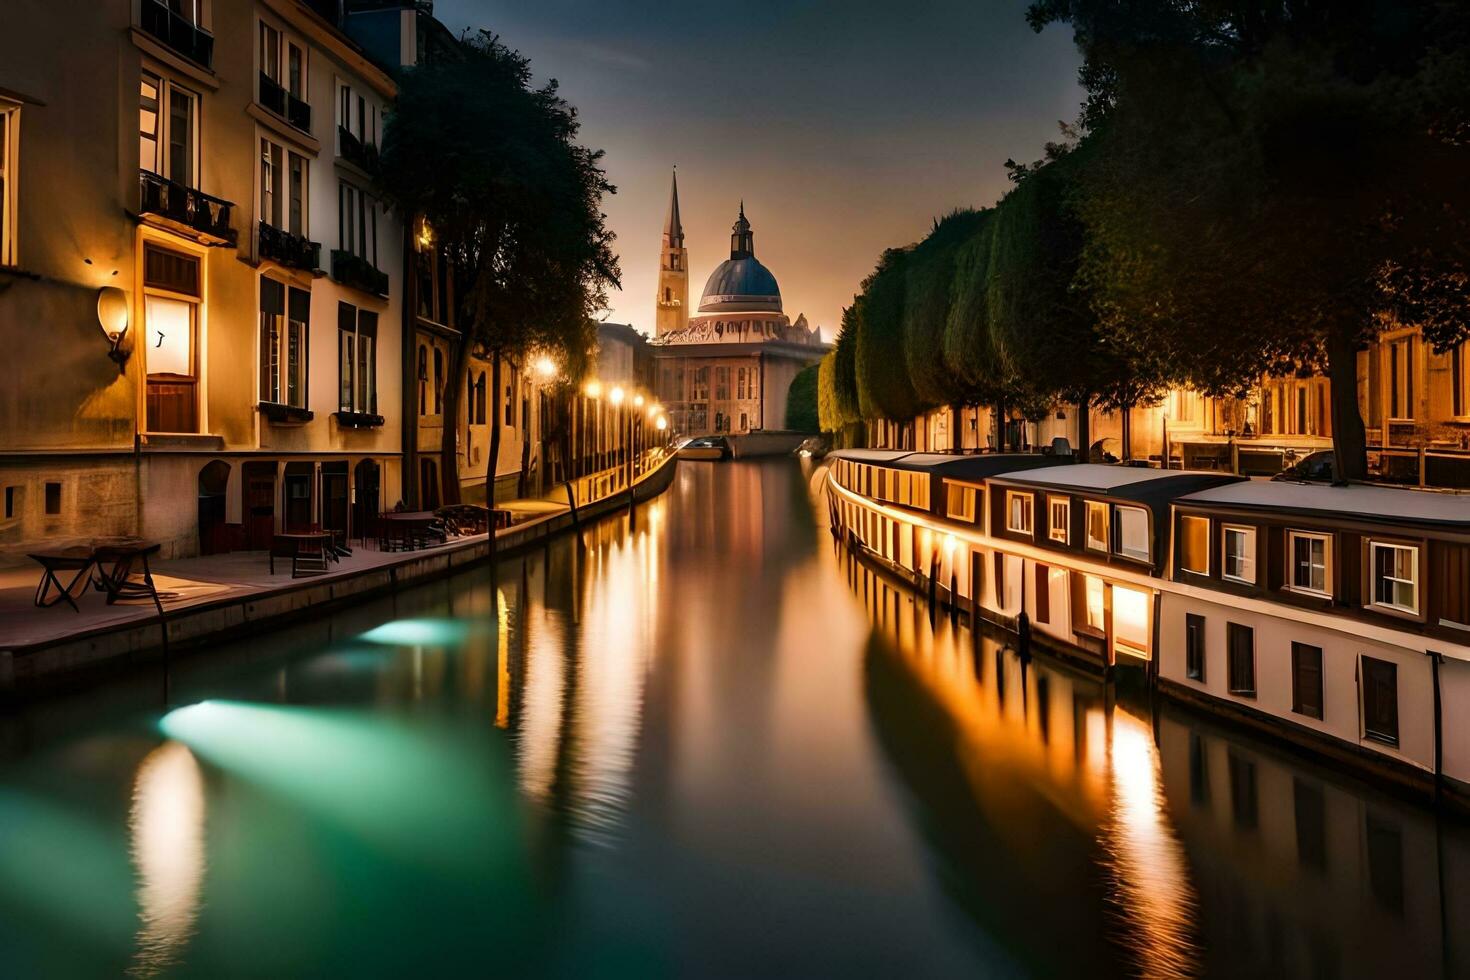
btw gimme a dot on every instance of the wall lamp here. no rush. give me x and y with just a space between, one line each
112 317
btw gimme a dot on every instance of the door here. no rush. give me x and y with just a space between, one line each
334 498
258 486
367 503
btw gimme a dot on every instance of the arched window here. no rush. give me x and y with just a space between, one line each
438 381
423 380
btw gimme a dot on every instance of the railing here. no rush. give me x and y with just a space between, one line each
178 32
288 249
359 273
360 154
185 205
284 104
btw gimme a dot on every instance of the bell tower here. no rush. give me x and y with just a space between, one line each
672 302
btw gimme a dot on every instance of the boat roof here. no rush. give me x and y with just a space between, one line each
954 466
1400 505
1112 477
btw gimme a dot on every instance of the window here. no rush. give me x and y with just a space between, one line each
1241 642
1307 555
1306 680
700 385
9 154
1395 571
357 223
12 502
283 61
53 499
438 381
170 324
1401 378
1459 357
1059 518
167 125
1194 545
423 377
284 318
742 389
1239 554
961 505
356 114
1380 701
1095 597
1194 647
1018 512
283 186
1097 526
1133 533
722 384
1043 593
357 359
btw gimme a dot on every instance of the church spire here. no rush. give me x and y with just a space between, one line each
742 240
673 227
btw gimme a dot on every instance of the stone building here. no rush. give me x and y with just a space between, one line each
728 368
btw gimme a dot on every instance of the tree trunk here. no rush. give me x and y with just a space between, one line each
493 411
1082 453
1126 449
458 374
1349 439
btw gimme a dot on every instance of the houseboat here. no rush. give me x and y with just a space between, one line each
1337 617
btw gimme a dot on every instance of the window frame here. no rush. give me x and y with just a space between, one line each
1292 536
1369 733
1098 544
1118 548
1232 630
1374 544
9 182
1028 512
1298 705
1249 533
1053 501
360 400
275 374
1195 646
163 129
966 495
1184 538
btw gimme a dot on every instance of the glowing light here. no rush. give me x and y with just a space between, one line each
655 409
593 389
616 396
425 237
661 424
544 367
418 632
167 828
637 401
1130 619
950 544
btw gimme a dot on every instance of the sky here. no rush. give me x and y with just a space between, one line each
847 126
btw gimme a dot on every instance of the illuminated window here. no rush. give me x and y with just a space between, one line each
961 503
1059 518
1133 533
9 153
1194 544
1238 554
1095 602
167 130
1018 512
169 339
1131 620
1395 571
1307 557
285 315
357 359
1401 378
1097 526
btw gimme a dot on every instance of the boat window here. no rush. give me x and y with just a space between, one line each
1059 511
1018 512
1395 570
1133 533
1097 526
1307 555
1239 554
1194 545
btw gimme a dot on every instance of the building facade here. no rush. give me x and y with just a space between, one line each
728 368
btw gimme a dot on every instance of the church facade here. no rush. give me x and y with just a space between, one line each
727 368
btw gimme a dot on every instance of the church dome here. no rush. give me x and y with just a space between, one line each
741 285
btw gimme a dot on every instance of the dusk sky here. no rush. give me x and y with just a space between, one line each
846 125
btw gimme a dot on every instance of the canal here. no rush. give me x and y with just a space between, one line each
700 743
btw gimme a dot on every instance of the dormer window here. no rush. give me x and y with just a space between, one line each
1018 512
1133 533
1308 557
1395 571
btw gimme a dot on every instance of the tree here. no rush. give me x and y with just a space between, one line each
837 394
492 166
1273 182
801 401
884 386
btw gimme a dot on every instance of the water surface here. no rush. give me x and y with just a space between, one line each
701 742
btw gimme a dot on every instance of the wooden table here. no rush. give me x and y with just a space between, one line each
308 550
51 589
111 564
409 527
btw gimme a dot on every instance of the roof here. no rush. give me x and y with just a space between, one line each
1106 477
954 466
1389 504
741 284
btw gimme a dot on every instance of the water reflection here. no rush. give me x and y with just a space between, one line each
167 824
1218 855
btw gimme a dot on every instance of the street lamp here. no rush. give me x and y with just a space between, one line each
617 395
544 367
112 317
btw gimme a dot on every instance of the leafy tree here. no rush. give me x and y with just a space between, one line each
928 293
884 386
837 396
801 401
514 203
1273 182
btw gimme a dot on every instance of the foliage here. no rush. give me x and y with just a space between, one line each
884 386
928 291
801 401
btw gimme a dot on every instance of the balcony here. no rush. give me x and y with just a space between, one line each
357 272
288 249
363 156
284 104
185 209
177 32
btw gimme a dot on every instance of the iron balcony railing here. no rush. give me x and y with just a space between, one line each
185 205
360 154
177 32
284 104
288 249
359 273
